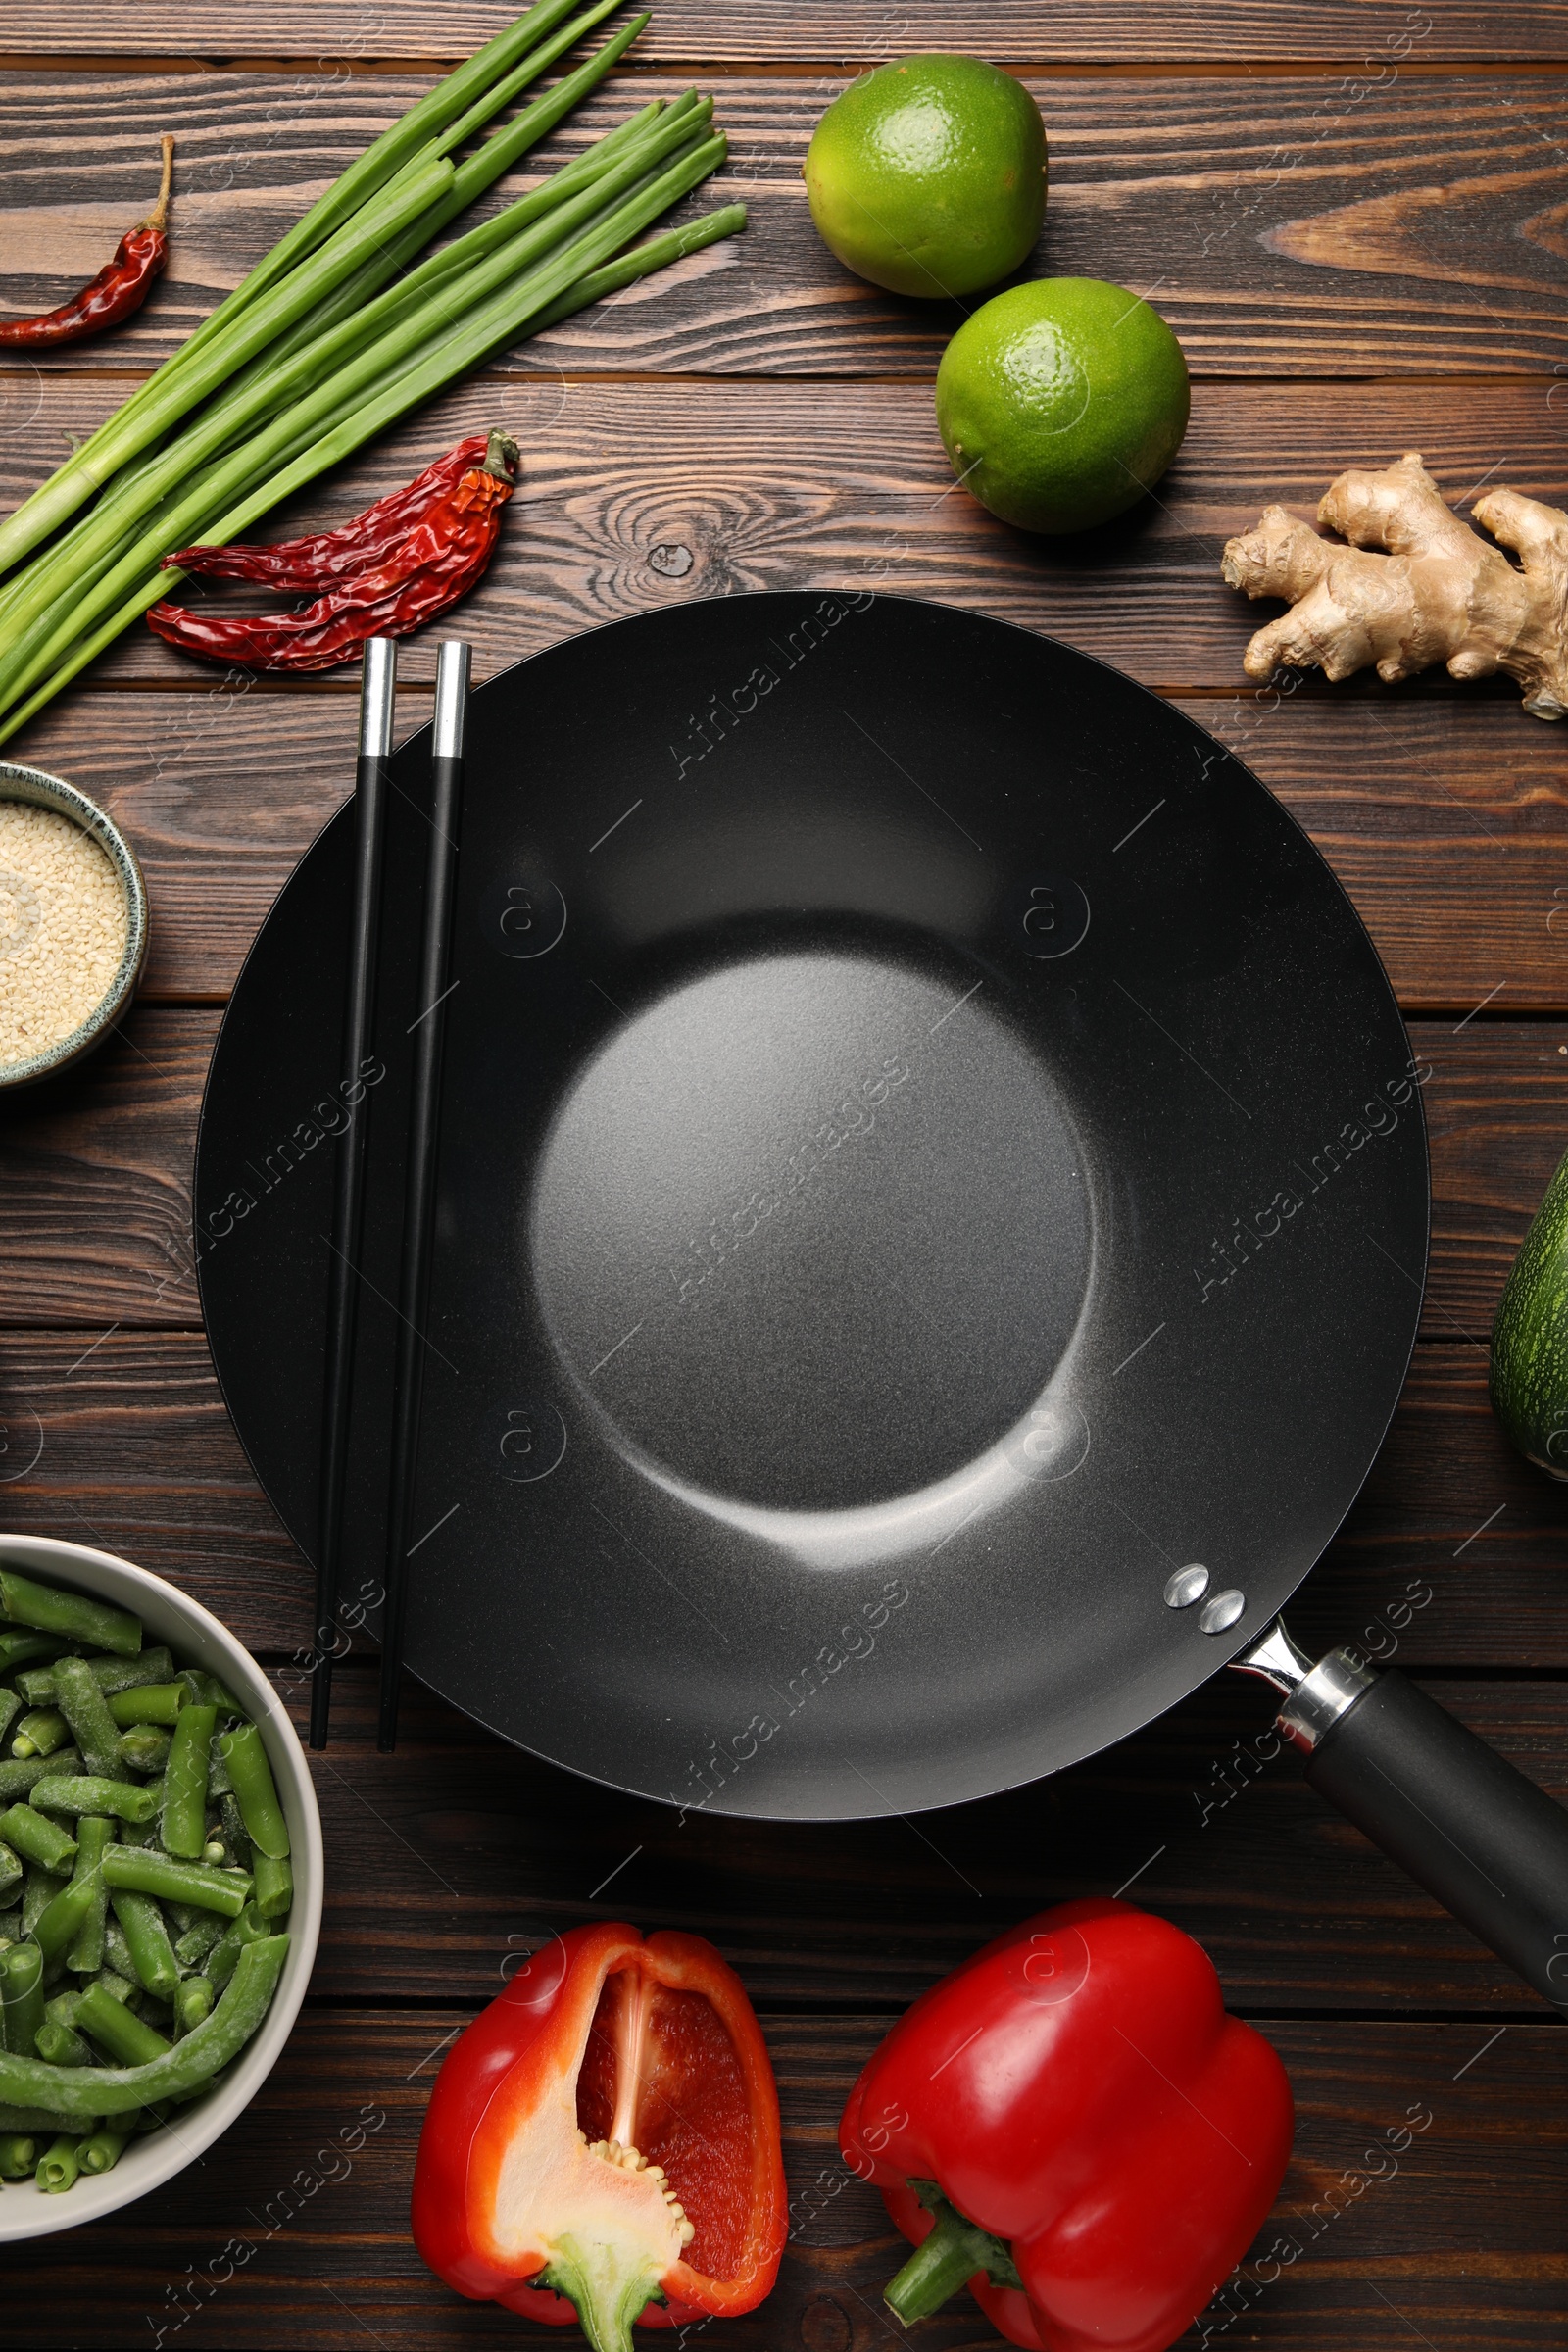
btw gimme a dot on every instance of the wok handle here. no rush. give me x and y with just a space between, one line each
1474 1832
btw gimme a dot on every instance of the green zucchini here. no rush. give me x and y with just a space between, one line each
1529 1338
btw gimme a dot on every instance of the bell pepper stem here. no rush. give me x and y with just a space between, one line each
946 2260
608 2294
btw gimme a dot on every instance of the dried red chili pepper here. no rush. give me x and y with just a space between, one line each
121 287
438 560
314 562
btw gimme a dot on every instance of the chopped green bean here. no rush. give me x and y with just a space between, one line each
95 2091
62 1921
119 1987
37 1837
10 1701
193 2004
234 1828
22 1996
60 2008
40 1733
91 1792
117 1951
102 2152
248 1929
17 1648
246 1757
147 1702
144 1748
152 1955
94 1835
14 2117
9 1873
48 1610
57 2166
111 1674
113 2028
18 2152
206 1929
86 1710
22 1773
211 1693
184 1820
61 2045
146 1872
39 1889
274 1887
219 1783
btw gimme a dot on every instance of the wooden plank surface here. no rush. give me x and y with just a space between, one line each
1300 226
1348 31
1352 215
332 2265
831 486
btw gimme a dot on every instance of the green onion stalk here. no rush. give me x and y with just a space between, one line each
326 343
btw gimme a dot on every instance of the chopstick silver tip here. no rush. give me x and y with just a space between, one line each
377 689
453 665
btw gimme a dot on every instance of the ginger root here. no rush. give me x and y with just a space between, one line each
1438 592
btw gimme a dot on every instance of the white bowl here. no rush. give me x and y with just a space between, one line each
196 1638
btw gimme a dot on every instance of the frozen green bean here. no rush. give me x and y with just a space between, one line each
144 1748
20 1773
219 1783
10 1701
147 1702
86 1710
206 1929
91 1792
61 2045
111 1674
192 2002
234 1835
37 1837
19 2153
142 1923
224 1958
93 1624
184 1818
101 2153
115 2030
62 1921
22 1996
95 2091
274 1887
94 1835
57 2166
120 1987
16 1649
148 1872
39 1889
9 1873
242 1750
40 1733
211 1693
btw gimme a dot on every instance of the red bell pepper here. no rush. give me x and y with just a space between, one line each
603 2142
1071 2124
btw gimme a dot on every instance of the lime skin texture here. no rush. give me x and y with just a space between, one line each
928 175
1062 401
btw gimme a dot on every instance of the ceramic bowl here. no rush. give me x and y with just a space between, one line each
195 1637
42 791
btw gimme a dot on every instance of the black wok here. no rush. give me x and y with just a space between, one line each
932 1219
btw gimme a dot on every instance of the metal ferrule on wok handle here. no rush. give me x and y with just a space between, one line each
1474 1832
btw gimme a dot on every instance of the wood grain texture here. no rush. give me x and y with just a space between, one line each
1311 226
333 2264
846 486
857 30
1443 816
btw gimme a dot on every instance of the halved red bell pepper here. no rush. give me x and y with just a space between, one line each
1071 2125
603 2142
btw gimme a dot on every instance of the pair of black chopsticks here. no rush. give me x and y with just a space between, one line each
418 1209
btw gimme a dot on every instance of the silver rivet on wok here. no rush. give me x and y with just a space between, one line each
1187 1585
1222 1611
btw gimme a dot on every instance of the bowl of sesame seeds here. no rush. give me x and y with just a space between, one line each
73 924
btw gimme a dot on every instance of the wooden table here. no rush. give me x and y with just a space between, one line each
1353 215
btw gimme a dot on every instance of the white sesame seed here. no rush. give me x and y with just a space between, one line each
63 928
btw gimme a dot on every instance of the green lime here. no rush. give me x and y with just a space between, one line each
1062 402
928 176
